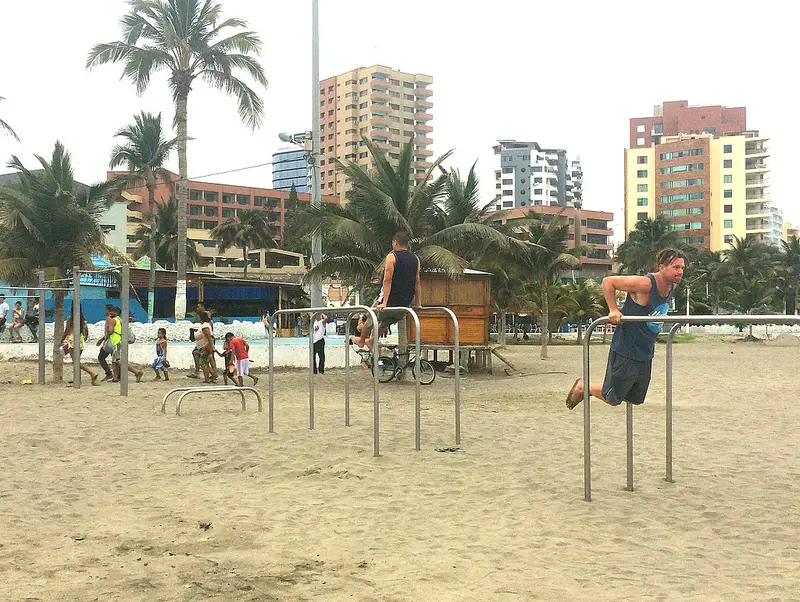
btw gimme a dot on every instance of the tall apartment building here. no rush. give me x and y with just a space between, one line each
703 170
290 168
595 233
528 175
385 105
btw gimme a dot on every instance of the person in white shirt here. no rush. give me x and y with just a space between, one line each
320 320
4 309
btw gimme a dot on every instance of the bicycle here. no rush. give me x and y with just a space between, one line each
390 367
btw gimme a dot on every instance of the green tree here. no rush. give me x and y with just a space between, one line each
144 153
4 127
251 231
788 272
637 254
749 295
47 220
510 294
162 232
189 40
294 238
583 302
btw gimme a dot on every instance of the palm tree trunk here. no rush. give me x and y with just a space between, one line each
545 317
181 121
58 331
502 332
244 256
151 282
580 330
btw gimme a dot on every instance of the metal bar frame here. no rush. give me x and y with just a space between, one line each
456 362
76 327
676 321
41 333
124 293
188 390
349 309
418 386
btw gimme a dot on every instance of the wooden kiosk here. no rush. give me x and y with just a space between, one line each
469 298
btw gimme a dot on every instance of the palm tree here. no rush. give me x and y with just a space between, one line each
637 254
188 39
144 153
788 270
251 231
162 232
749 296
583 302
547 256
48 220
510 293
7 128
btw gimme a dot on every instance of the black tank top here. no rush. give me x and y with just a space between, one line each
404 280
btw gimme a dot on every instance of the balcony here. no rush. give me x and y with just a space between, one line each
763 212
379 83
421 128
423 116
423 152
755 196
755 226
382 134
380 121
380 95
755 165
755 151
423 104
382 144
422 92
421 165
423 140
758 182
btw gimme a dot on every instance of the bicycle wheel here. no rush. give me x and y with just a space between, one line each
387 368
427 373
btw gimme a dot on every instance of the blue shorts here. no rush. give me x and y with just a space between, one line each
626 379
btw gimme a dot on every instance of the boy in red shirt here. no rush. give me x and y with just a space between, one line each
240 349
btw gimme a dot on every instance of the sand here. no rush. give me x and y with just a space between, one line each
104 497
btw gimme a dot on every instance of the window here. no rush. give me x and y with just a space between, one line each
728 179
508 170
640 217
658 128
686 196
641 188
728 238
537 180
508 192
195 210
408 121
363 105
258 201
682 183
195 195
195 224
692 152
209 196
226 212
640 128
508 182
641 202
640 141
363 80
537 191
679 212
408 85
243 199
394 107
727 208
394 82
642 173
727 163
641 159
680 168
728 223
728 194
538 168
210 211
687 226
728 148
694 240
408 96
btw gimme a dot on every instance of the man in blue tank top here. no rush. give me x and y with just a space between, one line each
401 288
630 359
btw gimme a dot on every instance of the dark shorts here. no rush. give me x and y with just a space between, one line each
626 379
387 317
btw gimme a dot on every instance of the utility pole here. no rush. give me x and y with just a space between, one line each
313 159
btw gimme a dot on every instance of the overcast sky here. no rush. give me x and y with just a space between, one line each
565 74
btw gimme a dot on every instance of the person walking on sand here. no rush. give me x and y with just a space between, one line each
67 343
204 346
160 364
110 345
630 359
17 322
320 322
200 308
241 351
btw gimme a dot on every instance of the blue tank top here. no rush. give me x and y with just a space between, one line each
637 340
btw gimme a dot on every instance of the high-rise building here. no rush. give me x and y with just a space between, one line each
528 175
290 168
702 169
386 106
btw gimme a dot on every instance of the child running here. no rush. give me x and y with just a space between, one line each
240 349
229 369
160 364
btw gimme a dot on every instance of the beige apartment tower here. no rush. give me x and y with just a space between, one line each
386 106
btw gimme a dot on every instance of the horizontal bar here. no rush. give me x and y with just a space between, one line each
716 319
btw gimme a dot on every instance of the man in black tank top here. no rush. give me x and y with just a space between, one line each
630 359
401 288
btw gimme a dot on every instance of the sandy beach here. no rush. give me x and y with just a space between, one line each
106 498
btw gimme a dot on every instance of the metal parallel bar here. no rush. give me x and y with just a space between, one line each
347 369
212 389
375 383
456 362
675 320
418 386
629 443
41 329
270 403
76 327
668 451
124 294
311 372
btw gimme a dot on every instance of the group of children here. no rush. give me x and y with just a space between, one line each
235 352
